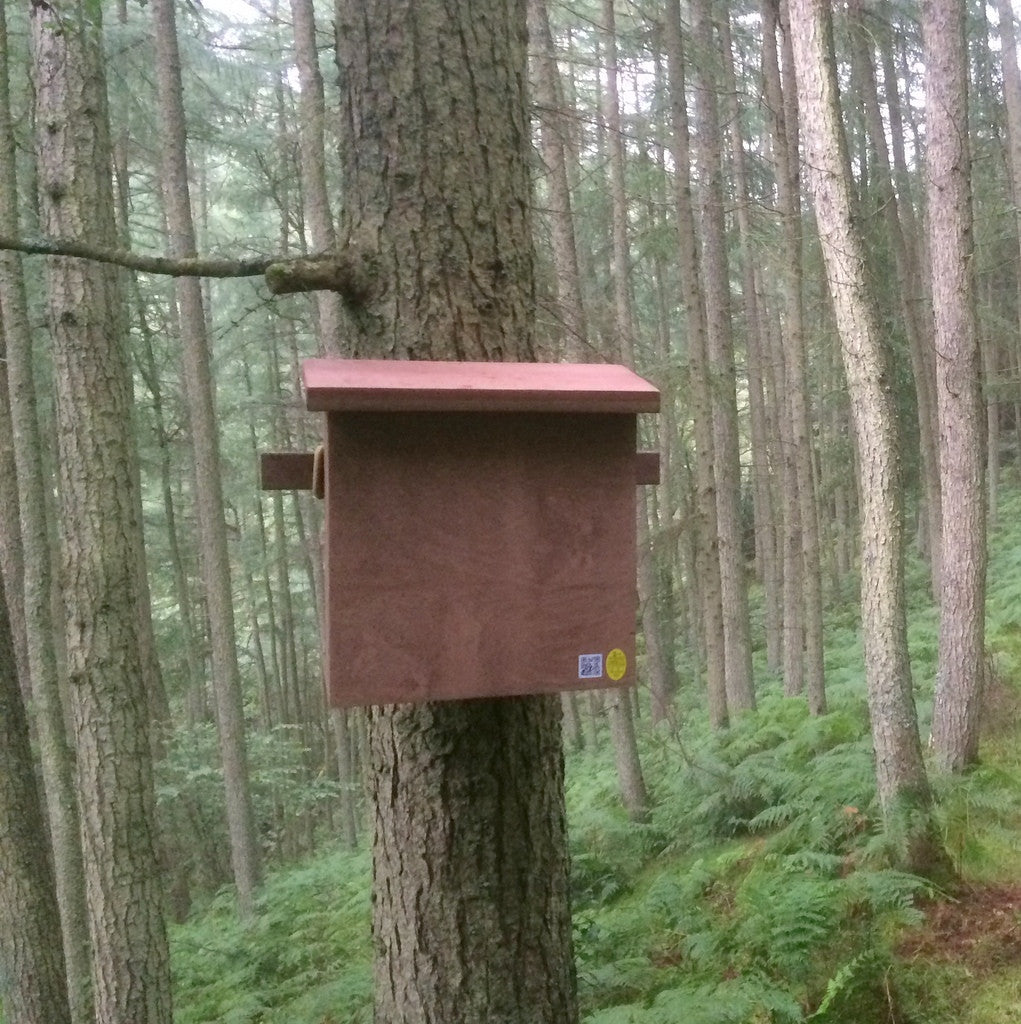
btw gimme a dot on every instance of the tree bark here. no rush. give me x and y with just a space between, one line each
706 550
471 915
311 126
912 294
36 597
720 362
957 705
100 516
199 397
803 652
622 726
764 505
900 771
33 987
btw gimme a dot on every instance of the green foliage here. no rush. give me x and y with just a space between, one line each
749 895
758 892
305 956
190 794
805 782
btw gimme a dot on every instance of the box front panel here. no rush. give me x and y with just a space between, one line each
477 555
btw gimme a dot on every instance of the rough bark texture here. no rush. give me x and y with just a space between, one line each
471 915
900 771
33 989
912 294
36 596
199 396
471 919
439 214
957 704
100 521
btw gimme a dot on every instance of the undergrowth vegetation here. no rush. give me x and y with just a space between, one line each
758 892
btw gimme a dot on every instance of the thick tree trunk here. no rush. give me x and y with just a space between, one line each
957 705
33 988
900 771
471 913
198 389
100 516
36 597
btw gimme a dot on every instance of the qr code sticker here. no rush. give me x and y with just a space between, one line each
590 666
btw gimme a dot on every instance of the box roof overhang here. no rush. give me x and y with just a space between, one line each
391 385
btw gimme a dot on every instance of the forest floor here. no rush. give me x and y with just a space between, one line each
977 928
759 891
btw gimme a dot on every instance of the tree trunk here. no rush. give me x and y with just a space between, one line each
622 726
900 771
957 704
100 516
706 550
198 389
33 987
912 294
36 598
762 489
720 362
471 914
554 123
803 653
311 125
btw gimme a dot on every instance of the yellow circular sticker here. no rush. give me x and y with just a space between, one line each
616 664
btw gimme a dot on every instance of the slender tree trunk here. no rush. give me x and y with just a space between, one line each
346 776
198 388
311 125
471 915
707 554
100 516
803 655
900 771
957 705
991 389
622 728
11 561
912 295
554 134
720 362
762 489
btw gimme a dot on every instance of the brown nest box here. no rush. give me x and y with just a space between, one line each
480 525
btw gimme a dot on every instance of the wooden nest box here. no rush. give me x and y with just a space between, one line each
480 525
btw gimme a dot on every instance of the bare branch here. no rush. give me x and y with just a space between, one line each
168 266
351 273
